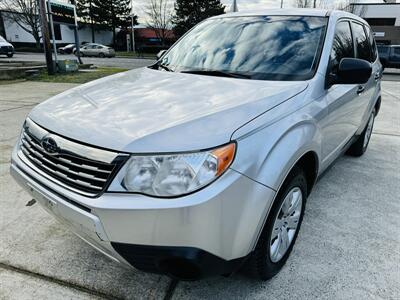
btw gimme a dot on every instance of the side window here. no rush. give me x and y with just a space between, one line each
362 42
372 43
342 45
396 50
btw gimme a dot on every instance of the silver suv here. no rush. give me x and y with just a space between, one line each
202 163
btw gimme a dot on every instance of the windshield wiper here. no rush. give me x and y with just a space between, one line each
217 73
165 67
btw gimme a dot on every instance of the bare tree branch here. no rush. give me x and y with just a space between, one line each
159 13
26 14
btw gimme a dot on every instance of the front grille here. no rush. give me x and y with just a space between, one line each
82 175
6 48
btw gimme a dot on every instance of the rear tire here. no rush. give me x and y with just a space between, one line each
359 147
10 55
267 259
101 55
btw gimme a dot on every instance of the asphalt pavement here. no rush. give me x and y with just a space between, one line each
117 62
348 246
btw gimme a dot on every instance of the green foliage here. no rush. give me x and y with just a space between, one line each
188 13
109 13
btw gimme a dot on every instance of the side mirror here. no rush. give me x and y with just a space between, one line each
160 54
352 71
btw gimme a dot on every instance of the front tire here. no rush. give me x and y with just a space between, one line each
281 228
359 147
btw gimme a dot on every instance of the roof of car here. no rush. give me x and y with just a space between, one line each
292 12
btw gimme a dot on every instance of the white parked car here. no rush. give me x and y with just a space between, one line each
98 50
202 163
6 48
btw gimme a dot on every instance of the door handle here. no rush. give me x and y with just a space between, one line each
360 89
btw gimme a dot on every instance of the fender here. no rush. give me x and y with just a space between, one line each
268 155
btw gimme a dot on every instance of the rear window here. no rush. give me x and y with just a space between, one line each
372 44
362 42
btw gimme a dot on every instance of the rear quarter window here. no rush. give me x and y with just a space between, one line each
362 42
372 44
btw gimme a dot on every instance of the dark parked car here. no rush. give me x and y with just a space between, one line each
389 56
6 48
66 49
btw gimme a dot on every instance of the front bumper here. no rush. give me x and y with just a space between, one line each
207 232
6 50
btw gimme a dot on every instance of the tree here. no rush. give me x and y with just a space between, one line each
26 14
159 14
188 13
111 13
348 5
311 3
85 11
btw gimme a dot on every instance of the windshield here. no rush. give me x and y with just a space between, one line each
2 39
265 48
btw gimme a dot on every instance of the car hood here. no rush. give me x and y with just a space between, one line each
5 44
147 111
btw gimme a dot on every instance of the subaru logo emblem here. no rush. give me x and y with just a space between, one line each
49 145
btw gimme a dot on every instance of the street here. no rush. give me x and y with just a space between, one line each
117 62
348 246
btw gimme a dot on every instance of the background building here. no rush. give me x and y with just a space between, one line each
384 19
64 34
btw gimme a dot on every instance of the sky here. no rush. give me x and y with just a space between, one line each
139 5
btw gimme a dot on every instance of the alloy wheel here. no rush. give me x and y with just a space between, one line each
286 224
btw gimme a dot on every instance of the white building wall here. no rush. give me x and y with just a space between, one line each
14 33
379 11
85 35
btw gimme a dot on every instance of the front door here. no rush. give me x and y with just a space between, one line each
342 99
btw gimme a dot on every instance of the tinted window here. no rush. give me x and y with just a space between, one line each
383 50
372 44
381 21
342 45
362 42
266 48
397 51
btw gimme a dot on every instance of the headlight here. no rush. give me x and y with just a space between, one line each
175 174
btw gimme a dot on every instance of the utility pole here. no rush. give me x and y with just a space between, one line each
132 29
46 37
234 7
50 13
76 34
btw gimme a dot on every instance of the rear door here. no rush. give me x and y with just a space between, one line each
366 92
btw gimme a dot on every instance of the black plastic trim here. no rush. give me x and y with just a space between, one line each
183 263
